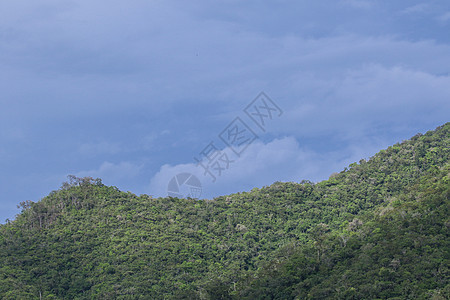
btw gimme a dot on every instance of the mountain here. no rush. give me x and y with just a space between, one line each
378 229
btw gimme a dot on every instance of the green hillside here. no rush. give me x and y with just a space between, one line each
399 251
379 229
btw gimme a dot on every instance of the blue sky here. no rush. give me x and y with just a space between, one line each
132 91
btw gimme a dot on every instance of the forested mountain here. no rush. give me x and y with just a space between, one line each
377 230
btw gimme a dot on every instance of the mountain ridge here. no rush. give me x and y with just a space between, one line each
88 240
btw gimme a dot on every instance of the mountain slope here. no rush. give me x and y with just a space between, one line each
399 251
88 240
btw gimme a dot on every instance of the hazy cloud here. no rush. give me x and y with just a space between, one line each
283 159
111 172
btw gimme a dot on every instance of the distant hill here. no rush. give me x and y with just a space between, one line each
377 230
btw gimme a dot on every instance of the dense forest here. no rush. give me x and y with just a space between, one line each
377 230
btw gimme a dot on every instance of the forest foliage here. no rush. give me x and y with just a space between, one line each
377 230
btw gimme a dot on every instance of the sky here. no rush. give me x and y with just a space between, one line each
138 92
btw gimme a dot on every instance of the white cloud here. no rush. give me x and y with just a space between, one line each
160 181
262 164
259 164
